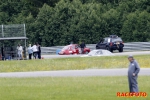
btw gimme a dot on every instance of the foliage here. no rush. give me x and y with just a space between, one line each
59 22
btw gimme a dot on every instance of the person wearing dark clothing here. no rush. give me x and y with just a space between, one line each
2 51
133 71
39 51
82 46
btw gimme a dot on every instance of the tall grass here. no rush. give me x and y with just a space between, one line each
72 63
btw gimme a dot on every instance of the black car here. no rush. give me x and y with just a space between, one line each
111 43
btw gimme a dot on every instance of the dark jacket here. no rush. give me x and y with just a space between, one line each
39 48
82 45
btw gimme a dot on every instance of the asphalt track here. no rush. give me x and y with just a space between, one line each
76 73
116 54
79 73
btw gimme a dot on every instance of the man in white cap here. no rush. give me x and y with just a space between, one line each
133 71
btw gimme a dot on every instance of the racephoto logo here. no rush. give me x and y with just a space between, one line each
131 94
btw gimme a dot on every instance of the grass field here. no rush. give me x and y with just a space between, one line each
69 88
72 63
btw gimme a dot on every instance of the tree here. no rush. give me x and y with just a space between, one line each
136 27
59 22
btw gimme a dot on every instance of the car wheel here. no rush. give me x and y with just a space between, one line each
107 48
121 50
97 47
111 50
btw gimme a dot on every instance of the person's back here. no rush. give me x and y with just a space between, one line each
30 51
82 45
35 51
34 48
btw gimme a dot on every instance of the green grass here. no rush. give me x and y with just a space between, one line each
72 63
69 88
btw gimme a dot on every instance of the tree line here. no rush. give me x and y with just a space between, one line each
59 22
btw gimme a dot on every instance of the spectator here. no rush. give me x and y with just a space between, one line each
34 48
133 72
2 51
82 46
19 52
39 50
30 51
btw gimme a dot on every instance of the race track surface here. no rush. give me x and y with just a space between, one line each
117 54
76 73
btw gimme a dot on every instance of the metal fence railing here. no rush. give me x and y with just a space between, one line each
131 46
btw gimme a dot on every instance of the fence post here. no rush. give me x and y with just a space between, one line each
25 54
2 31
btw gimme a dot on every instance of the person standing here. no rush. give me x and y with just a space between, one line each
30 51
19 52
3 53
133 71
82 46
39 51
34 48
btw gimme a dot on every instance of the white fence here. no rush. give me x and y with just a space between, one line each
132 46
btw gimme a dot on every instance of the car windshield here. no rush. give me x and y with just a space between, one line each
65 48
116 40
95 52
73 47
98 52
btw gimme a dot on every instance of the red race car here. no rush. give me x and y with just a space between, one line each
73 49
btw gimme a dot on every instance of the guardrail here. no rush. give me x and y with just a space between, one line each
131 46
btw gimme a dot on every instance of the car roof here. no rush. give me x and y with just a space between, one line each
113 38
72 45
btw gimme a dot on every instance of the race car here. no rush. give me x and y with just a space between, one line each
73 49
